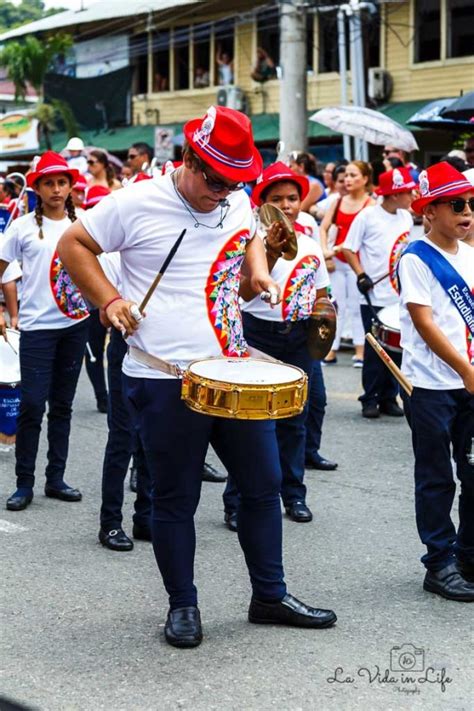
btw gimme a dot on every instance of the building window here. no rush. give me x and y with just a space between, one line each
181 57
139 62
328 55
201 55
427 30
161 61
460 24
371 33
224 31
268 33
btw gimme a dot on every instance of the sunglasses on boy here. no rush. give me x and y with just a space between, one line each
457 204
218 186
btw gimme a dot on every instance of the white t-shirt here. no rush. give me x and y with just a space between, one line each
49 297
380 238
194 313
420 286
299 279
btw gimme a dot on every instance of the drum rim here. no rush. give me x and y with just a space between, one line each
189 373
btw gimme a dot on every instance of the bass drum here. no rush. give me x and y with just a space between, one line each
9 385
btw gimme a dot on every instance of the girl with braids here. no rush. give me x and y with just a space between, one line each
101 170
53 329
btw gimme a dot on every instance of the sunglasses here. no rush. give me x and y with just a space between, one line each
457 205
130 156
218 186
92 162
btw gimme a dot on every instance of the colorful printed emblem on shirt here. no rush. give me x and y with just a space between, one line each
222 296
300 290
397 250
67 296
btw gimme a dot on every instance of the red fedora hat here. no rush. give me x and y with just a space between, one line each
398 180
224 141
439 180
278 173
50 163
95 194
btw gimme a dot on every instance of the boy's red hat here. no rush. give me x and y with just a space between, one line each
277 173
439 180
224 141
95 194
50 163
81 183
398 180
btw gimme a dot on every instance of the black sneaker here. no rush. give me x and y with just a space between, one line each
370 411
390 408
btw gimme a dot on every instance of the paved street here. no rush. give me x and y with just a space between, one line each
82 626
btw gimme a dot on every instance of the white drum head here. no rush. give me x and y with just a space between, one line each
9 358
390 316
245 371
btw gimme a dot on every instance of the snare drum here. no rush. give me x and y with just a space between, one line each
9 385
388 330
244 388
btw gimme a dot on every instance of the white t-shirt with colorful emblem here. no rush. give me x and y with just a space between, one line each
49 299
194 312
380 237
420 286
299 279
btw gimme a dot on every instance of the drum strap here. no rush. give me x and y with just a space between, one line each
170 369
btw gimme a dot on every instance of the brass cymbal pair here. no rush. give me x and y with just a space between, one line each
269 214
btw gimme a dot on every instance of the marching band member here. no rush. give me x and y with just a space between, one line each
194 313
282 332
372 248
436 317
53 323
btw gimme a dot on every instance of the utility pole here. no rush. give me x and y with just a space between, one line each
293 62
357 66
341 42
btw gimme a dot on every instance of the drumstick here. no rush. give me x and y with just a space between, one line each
393 367
160 274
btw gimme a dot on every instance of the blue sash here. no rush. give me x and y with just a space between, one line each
451 281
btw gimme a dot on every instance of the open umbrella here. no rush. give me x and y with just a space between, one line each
432 116
461 109
367 124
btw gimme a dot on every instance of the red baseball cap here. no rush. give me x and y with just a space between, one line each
50 163
224 141
278 173
95 194
398 180
439 180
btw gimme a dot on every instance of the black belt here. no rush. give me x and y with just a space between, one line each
281 327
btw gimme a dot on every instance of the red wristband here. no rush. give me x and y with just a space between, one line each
116 298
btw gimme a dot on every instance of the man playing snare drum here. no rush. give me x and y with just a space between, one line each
193 314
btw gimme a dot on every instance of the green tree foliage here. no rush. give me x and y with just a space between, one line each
27 11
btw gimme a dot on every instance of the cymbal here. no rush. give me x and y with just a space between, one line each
269 214
321 328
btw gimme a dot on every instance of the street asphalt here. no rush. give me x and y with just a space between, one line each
82 626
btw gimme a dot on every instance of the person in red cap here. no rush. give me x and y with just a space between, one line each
436 319
194 313
53 325
282 332
372 248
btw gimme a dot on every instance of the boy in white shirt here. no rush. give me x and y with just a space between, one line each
373 246
436 316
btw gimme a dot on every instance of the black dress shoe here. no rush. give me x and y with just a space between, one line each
16 502
183 627
141 533
321 463
133 478
449 583
116 540
299 512
230 520
466 569
370 411
289 611
102 404
66 494
390 408
211 474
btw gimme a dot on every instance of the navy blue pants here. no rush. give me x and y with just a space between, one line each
317 402
442 423
377 381
96 340
175 441
288 343
121 443
50 363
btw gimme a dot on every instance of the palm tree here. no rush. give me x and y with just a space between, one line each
28 62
